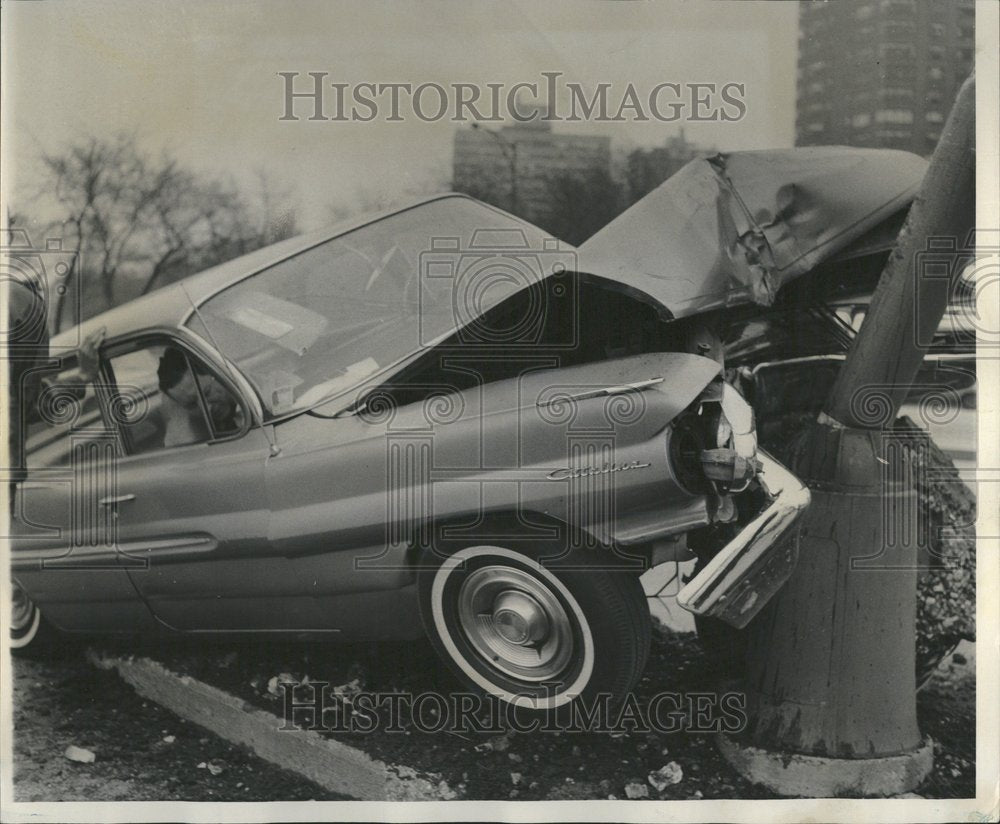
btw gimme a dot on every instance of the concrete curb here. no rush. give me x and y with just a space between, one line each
817 777
331 764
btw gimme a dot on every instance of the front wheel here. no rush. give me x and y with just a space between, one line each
536 637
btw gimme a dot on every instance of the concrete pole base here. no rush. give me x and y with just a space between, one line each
814 776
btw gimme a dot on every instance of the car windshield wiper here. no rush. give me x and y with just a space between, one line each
348 411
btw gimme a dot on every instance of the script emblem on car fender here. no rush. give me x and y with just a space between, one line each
565 473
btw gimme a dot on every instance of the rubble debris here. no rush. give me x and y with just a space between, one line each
635 789
80 754
281 678
348 690
670 773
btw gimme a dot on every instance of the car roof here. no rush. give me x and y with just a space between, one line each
170 305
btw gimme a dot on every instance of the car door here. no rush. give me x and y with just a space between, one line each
64 549
190 502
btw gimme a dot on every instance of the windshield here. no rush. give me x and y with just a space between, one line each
323 321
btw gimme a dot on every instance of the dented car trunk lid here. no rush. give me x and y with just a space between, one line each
734 228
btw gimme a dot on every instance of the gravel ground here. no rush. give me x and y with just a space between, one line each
946 710
550 765
563 765
142 752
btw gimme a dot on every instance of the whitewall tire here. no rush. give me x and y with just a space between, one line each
537 637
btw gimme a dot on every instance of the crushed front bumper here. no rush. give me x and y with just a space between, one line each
746 572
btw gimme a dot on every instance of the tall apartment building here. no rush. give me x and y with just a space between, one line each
646 169
880 72
513 166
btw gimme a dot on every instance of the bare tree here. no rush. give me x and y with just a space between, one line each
143 220
277 218
82 185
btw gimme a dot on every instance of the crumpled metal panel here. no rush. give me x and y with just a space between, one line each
734 228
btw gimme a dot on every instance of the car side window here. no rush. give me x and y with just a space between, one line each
163 397
65 423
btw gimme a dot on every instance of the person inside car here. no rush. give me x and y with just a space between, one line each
183 420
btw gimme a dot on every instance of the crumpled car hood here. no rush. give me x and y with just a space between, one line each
734 228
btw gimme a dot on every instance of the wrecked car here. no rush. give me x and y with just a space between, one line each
440 421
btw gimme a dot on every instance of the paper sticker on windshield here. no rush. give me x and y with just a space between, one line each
352 376
251 318
278 387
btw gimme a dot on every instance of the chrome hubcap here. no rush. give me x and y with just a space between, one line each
519 618
515 622
22 610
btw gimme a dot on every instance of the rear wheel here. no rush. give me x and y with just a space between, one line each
537 637
28 631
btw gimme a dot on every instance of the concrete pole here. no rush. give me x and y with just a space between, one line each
907 307
830 669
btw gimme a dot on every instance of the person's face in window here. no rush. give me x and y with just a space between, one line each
185 391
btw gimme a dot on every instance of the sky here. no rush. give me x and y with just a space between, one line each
201 79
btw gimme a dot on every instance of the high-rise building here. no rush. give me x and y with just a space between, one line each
881 72
645 169
514 166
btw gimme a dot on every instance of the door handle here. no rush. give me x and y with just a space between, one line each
111 500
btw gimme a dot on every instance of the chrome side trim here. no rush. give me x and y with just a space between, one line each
121 555
601 391
112 500
737 582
